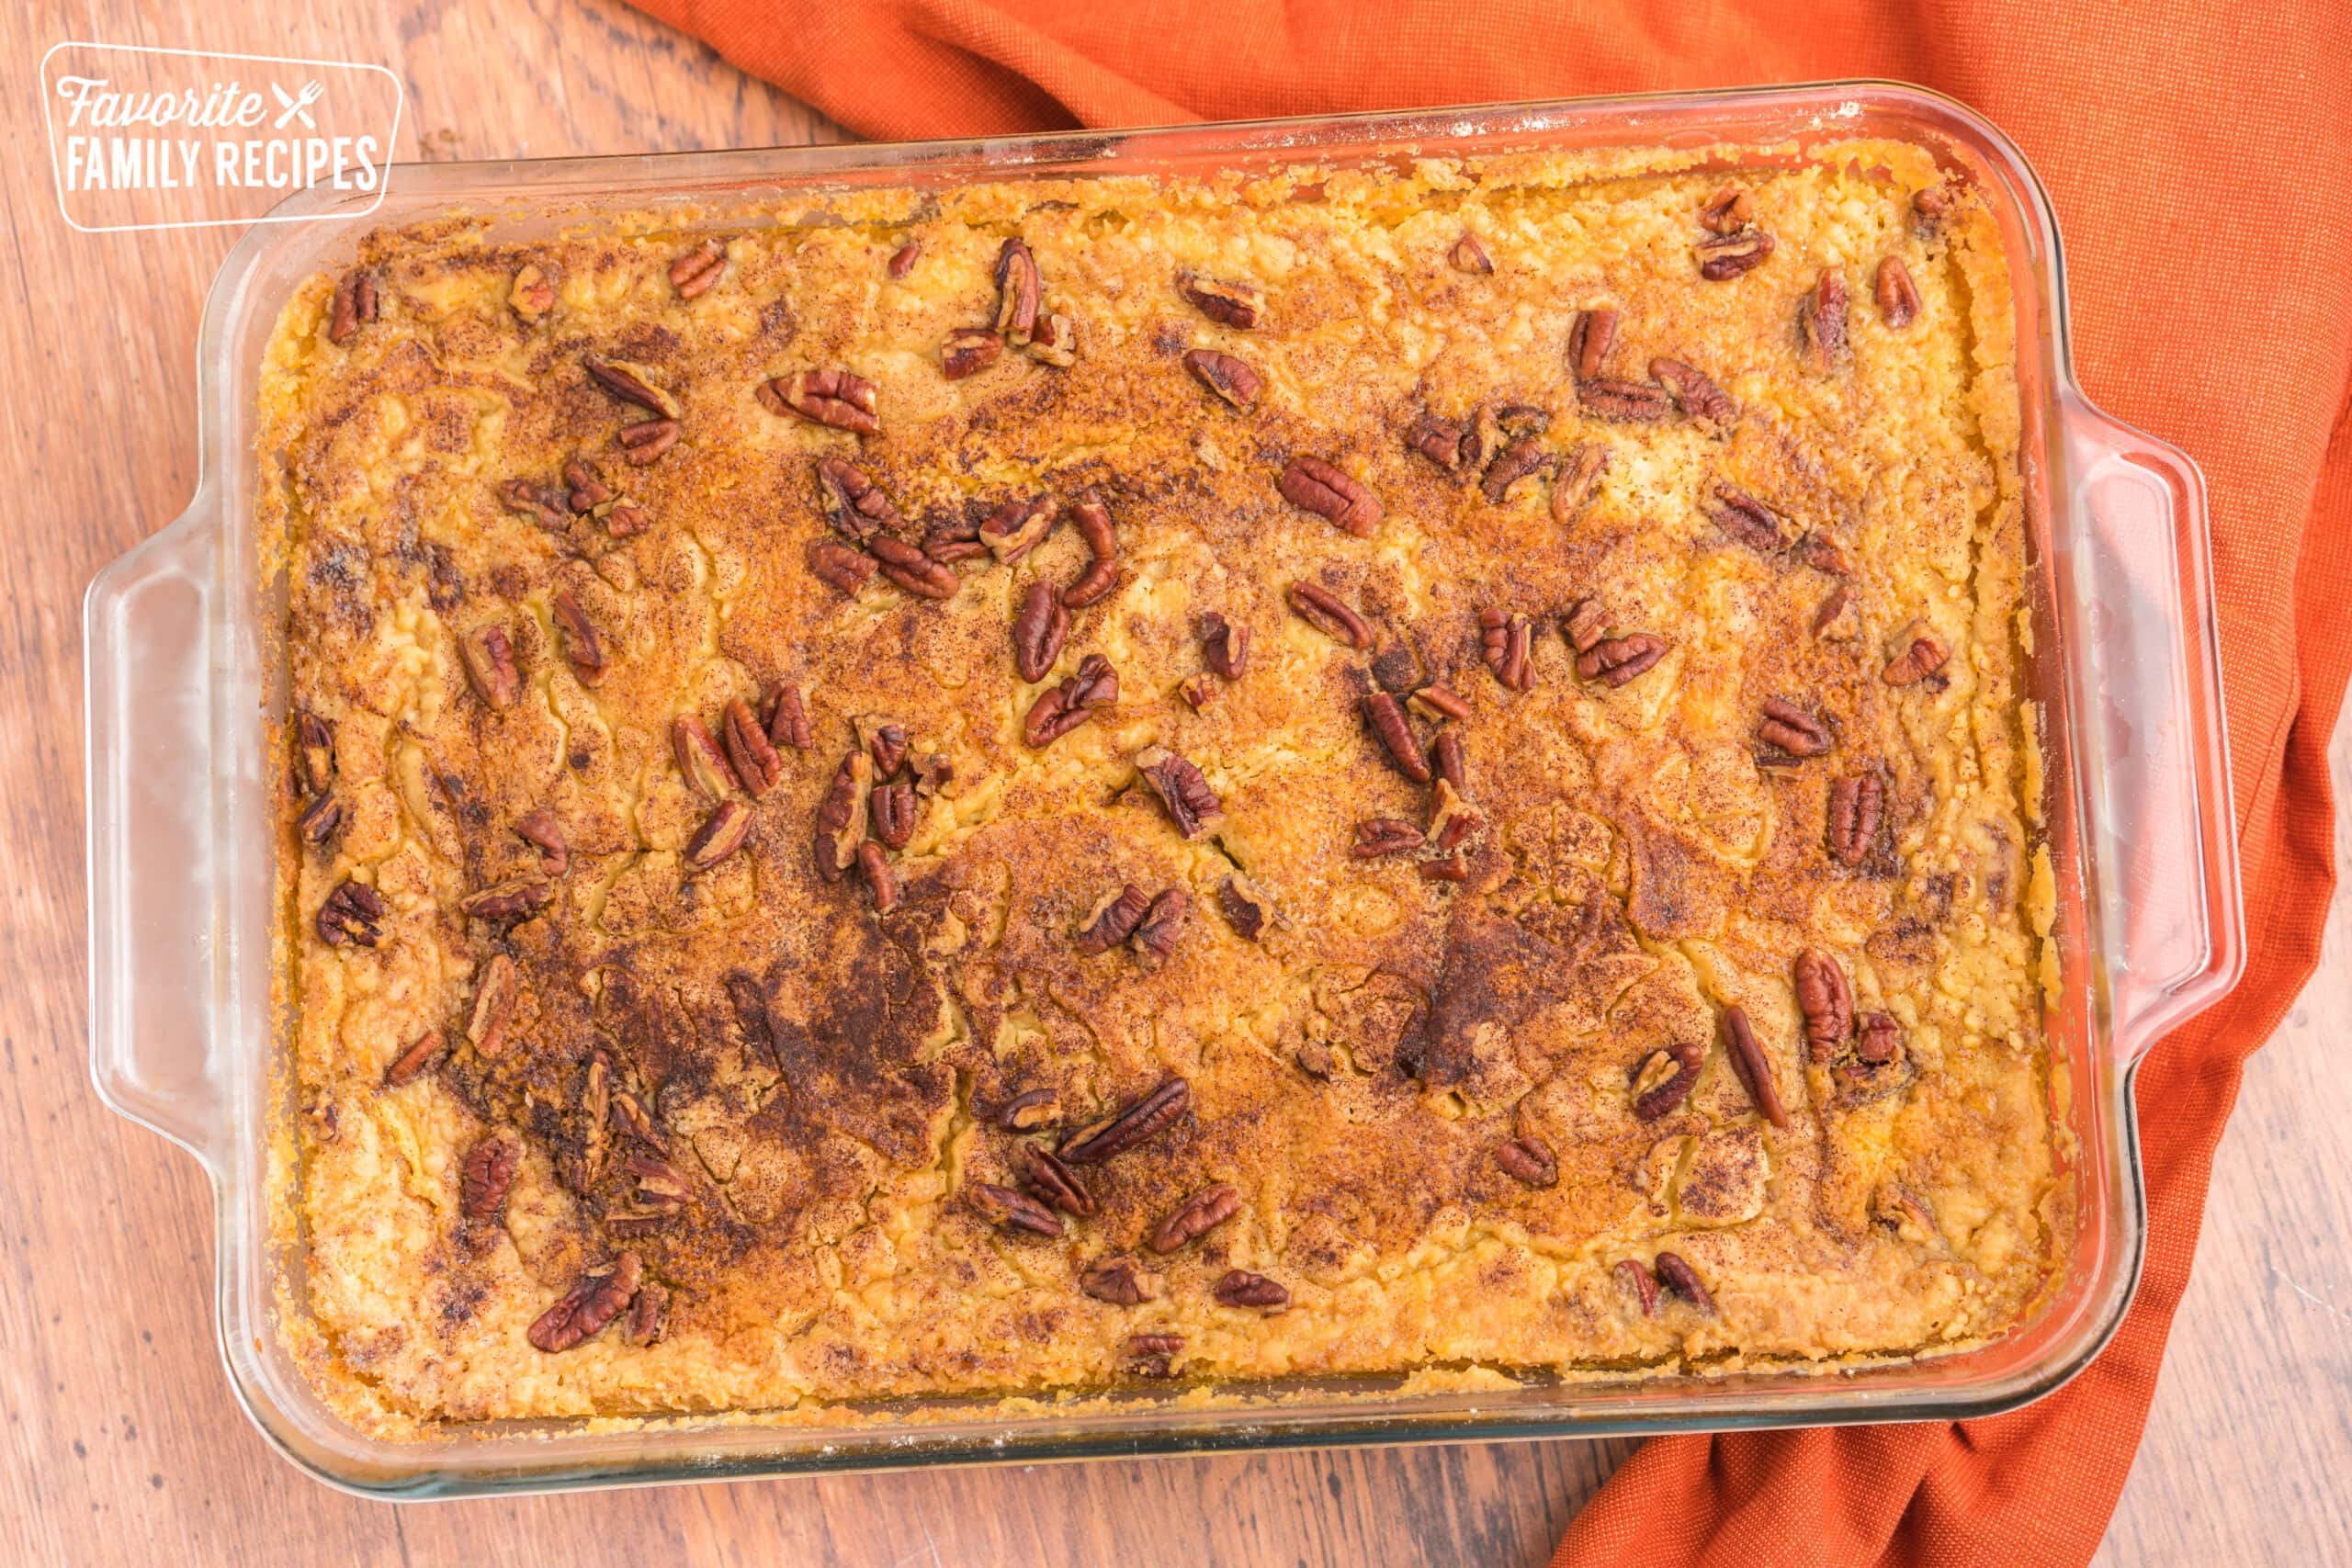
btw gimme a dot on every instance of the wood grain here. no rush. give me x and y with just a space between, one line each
123 1443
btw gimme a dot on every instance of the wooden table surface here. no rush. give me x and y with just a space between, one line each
123 1443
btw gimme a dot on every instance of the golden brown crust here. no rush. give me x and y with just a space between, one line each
774 1004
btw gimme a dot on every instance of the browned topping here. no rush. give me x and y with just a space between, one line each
1615 660
1530 1160
911 569
1698 396
1155 936
632 384
1727 211
880 880
582 647
352 914
419 1059
968 351
354 301
532 295
489 658
1445 758
1321 487
1469 255
1196 1216
314 751
721 834
1505 643
1437 700
1683 1280
1027 1112
1225 645
320 820
1745 518
1039 629
831 397
1328 614
1122 1282
1922 657
1591 337
693 274
1063 708
1388 718
1625 402
1092 520
1898 298
1153 1355
1380 836
700 762
1241 1288
1053 1183
1878 1040
1643 1282
893 809
1245 908
1230 378
1856 806
645 441
507 900
1191 804
1017 289
1519 460
584 488
497 987
594 1301
1822 322
648 1312
1792 729
853 503
841 815
1225 302
487 1174
1665 1079
903 259
1113 920
1755 1069
1728 255
1827 1000
1131 1124
841 566
756 763
788 719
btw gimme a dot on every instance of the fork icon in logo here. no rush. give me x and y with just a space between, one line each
311 93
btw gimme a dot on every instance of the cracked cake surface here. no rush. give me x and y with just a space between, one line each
1040 784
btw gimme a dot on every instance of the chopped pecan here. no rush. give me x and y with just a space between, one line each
1665 1079
968 351
1578 481
1683 1280
507 900
541 504
1587 626
1130 1125
1792 729
1191 804
354 301
1153 1355
630 1116
1015 528
1643 1282
1196 1216
833 397
1727 255
1878 1040
841 566
584 489
1389 720
1245 907
540 829
1092 520
314 751
1241 1288
1445 758
1829 617
594 1301
721 834
1450 445
911 569
693 274
893 809
1018 291
1827 1000
1821 321
885 741
1615 660
1052 1182
903 259
1505 643
532 294
487 1174
645 441
1590 337
1727 211
881 882
1225 645
1856 806
625 520
1530 1160
497 986
1113 920
1438 701
852 503
1823 554
1227 303
756 763
1327 491
841 815
632 384
1378 836
1745 518
1519 460
788 719
1155 936
1932 202
1326 613
1898 298
700 762
1469 255
489 658
353 914
1230 378
1027 1112
648 1312
1754 1067
1451 819
320 820
1699 397
1063 708
1921 658
1122 1282
1625 402
582 647
1053 340
431 1048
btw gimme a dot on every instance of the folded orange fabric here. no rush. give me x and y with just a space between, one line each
2195 166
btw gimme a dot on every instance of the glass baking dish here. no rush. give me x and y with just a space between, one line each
186 673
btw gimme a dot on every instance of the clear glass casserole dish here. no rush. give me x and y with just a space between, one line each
185 663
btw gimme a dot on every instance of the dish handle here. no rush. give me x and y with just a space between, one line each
2158 783
150 679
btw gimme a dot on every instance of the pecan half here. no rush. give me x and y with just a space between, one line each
1627 402
594 1301
1321 487
1245 907
584 489
489 658
543 504
1241 1288
1018 290
645 441
1745 518
700 762
1227 303
1438 701
1185 795
354 301
320 820
582 647
1530 1160
1122 1282
625 520
841 815
1643 1282
1590 337
1615 660
1450 445
903 259
1519 460
538 829
1727 211
968 351
1469 255
788 719
721 834
853 503
1821 321
487 1174
1878 1040
1728 255
1230 378
1683 1280
1113 920
1792 729
1377 836
351 915
1153 1355
1055 338
1015 528
1027 1112
314 751
497 986
756 762
911 569
508 900
1922 657
1063 708
1225 645
1131 1124
1506 644
1155 936
1665 1079
841 566
881 882
884 740
1898 298
647 1317
431 1048
893 809
1755 1069
1829 617
693 274
1196 1216
1578 481
1827 1000
1389 721
1856 806
1699 397
831 397
632 384
1092 520
1328 614
1445 760
1053 1182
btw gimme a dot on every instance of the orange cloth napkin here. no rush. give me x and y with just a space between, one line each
2199 160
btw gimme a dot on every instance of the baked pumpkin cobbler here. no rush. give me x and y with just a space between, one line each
1004 789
